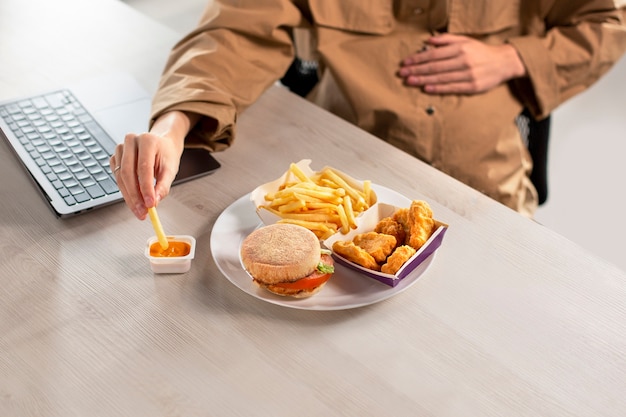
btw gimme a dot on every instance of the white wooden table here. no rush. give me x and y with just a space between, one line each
510 319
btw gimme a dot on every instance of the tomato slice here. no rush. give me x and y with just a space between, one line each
314 280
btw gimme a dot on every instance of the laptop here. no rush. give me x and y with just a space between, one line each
64 138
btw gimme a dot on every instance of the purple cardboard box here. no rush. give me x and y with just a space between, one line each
367 223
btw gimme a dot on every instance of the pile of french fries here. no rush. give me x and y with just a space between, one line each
326 202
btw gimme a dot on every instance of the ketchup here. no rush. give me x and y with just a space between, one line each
175 248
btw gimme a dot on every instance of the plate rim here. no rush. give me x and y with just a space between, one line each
312 303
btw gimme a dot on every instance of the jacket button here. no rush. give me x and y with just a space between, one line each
430 110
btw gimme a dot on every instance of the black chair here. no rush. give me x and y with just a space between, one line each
537 135
302 76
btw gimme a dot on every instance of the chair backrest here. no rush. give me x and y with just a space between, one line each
536 133
301 76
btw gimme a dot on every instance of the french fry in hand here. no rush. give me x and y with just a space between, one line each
158 228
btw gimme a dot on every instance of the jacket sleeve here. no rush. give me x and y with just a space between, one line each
582 41
238 50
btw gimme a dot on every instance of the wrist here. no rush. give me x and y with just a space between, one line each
514 64
174 125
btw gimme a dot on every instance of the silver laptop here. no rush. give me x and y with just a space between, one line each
64 138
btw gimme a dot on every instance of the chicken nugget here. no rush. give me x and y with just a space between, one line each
421 223
355 254
389 226
397 259
378 245
402 217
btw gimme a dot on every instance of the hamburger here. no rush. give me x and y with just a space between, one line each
286 259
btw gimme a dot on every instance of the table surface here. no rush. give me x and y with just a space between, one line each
510 319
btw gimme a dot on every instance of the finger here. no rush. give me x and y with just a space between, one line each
438 77
146 170
116 169
116 157
127 177
164 178
447 68
466 87
431 55
113 164
446 39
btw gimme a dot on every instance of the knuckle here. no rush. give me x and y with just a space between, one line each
143 165
129 137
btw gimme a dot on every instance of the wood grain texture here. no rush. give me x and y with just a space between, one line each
511 319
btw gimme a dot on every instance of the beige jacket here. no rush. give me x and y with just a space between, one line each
242 47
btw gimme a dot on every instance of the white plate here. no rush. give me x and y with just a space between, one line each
346 288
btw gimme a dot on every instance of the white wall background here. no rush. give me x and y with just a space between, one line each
587 169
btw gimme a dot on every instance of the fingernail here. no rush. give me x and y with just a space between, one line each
413 80
140 210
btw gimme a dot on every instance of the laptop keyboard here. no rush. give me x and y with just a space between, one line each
67 144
